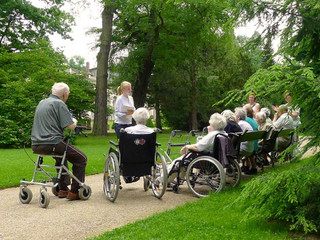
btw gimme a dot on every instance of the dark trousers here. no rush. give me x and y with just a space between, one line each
74 155
118 126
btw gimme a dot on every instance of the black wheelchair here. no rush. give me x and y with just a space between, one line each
44 177
207 172
135 155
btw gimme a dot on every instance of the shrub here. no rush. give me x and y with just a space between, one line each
292 196
150 123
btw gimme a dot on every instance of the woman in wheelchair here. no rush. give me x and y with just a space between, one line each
133 156
141 116
217 125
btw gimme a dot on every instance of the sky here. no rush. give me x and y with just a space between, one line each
86 16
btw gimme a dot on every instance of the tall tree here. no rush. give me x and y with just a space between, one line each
100 118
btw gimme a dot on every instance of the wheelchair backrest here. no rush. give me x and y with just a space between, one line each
223 149
137 153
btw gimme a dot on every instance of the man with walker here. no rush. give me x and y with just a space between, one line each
51 118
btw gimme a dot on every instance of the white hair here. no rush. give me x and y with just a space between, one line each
141 115
262 116
240 112
266 111
229 115
60 88
218 121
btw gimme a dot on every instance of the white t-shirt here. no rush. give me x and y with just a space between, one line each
246 146
284 121
139 129
206 143
120 115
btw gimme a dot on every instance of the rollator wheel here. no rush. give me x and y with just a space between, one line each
111 177
146 183
233 173
159 176
205 175
44 198
25 195
55 190
85 192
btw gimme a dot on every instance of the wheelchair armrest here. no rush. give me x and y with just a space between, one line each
114 143
206 153
158 144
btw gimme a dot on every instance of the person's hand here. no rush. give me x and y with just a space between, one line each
275 108
75 121
184 150
130 112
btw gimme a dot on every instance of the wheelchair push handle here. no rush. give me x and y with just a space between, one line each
194 132
174 133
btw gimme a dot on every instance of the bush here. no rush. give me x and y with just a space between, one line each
292 196
150 123
25 79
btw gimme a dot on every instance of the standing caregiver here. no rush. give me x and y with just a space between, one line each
124 107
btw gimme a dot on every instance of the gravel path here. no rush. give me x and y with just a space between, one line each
65 219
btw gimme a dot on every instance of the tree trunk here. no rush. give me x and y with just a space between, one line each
100 114
145 70
142 82
193 113
158 117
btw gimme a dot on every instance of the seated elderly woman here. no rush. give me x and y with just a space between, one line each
268 113
141 116
246 148
232 125
283 120
261 118
217 124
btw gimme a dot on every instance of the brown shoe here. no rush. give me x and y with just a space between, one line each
63 193
72 196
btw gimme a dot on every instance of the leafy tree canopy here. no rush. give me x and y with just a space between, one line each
22 24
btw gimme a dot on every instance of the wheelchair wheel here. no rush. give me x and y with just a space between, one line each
111 177
205 175
25 195
44 198
233 173
85 192
159 176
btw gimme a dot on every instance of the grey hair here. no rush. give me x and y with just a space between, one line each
218 121
141 115
266 111
240 112
229 115
60 88
262 116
